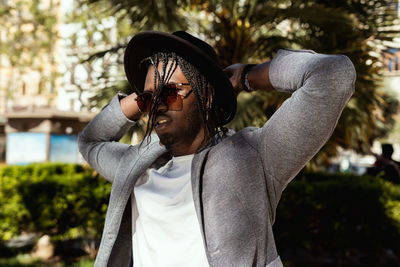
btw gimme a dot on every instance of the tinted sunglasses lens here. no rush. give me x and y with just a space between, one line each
171 98
144 101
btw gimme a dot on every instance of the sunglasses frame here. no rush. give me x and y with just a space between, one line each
141 96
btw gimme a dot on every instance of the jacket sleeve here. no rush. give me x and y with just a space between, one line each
98 142
321 85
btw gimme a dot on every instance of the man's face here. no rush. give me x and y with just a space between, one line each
182 131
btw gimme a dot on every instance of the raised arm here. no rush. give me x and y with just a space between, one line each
98 142
320 85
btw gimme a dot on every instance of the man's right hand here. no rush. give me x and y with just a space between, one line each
258 77
234 73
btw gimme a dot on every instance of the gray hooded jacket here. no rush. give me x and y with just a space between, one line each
238 180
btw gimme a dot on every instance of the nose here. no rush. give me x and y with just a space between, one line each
161 107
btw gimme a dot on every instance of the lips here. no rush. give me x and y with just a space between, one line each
162 121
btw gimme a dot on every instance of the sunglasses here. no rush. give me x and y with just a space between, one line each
169 96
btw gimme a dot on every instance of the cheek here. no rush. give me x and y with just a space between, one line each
193 117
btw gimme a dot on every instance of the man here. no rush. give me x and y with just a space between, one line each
195 194
385 166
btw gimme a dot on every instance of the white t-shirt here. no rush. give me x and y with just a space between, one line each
167 229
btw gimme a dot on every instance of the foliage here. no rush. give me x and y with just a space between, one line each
100 62
93 30
252 31
28 261
147 15
63 201
20 260
320 215
342 217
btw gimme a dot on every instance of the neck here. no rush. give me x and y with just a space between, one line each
186 148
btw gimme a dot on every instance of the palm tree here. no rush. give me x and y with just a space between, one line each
252 31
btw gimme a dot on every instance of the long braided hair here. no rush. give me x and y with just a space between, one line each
202 89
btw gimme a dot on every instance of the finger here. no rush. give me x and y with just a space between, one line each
231 68
232 79
228 72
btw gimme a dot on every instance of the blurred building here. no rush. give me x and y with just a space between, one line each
29 58
35 123
391 59
45 135
391 56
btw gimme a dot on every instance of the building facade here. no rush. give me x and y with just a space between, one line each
33 127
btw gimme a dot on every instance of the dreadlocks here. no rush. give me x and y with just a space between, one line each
202 89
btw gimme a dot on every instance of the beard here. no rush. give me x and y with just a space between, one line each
185 131
168 139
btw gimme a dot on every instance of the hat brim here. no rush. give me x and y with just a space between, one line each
146 44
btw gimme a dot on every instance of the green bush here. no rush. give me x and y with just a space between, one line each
62 200
339 216
319 215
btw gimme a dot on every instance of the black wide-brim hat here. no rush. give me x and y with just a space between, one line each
197 52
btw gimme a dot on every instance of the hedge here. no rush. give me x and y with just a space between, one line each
62 200
319 215
340 217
